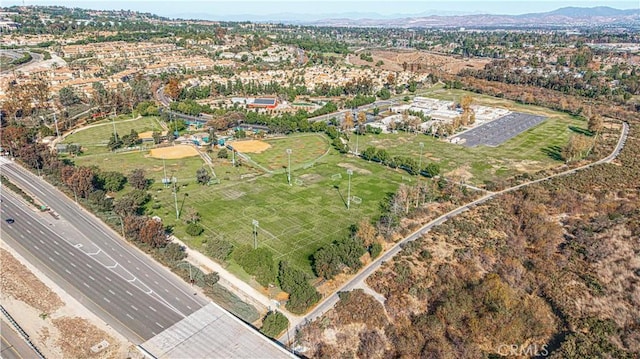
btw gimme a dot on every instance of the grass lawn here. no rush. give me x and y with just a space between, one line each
95 137
294 221
305 149
527 152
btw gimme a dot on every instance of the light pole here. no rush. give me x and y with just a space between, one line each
289 168
349 172
255 224
420 165
175 197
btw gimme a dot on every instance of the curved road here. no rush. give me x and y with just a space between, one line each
355 281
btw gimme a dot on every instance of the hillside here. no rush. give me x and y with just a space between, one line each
552 269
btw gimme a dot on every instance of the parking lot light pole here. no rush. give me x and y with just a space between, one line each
349 172
289 168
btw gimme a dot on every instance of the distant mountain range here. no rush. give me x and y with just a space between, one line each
563 17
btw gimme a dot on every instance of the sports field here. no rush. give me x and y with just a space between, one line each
294 220
94 138
525 153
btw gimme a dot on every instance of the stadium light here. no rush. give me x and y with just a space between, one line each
255 224
175 197
349 172
289 169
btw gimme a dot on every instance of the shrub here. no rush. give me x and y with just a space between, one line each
302 295
194 229
375 250
274 324
219 249
257 262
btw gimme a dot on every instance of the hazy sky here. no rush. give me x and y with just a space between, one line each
315 8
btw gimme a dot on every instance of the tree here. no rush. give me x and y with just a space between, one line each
114 142
172 89
68 96
202 175
209 280
302 295
112 181
223 153
366 232
362 118
596 123
219 249
274 324
577 147
347 123
137 179
194 229
157 137
257 262
153 233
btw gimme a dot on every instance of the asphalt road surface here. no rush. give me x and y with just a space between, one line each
119 300
354 282
123 286
13 346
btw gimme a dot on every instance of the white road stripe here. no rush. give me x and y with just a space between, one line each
107 278
108 301
134 308
85 284
158 324
93 279
150 307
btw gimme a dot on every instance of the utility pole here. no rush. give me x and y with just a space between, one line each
349 172
289 168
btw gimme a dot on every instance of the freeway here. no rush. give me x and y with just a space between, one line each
108 248
119 300
139 298
355 281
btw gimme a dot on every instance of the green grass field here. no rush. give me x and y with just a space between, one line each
94 139
527 152
295 220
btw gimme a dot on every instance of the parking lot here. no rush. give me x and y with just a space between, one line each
496 132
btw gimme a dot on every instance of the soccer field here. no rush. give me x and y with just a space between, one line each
294 220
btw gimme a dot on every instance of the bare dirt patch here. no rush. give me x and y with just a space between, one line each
149 134
173 152
251 146
355 169
22 285
55 322
78 336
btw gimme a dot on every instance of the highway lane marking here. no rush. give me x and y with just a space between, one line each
86 285
129 293
178 299
73 255
146 275
165 289
66 270
36 247
93 279
158 324
78 245
138 268
134 308
129 316
51 259
156 282
21 236
89 265
110 291
28 231
131 280
107 278
188 307
41 232
73 265
96 253
108 301
113 266
41 241
55 242
150 307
